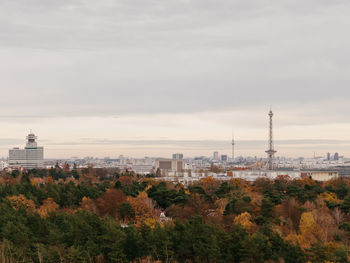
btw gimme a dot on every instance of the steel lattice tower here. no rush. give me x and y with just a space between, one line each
271 151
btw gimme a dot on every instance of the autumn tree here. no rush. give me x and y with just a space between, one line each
307 229
338 215
290 210
209 184
21 202
109 202
244 220
196 205
220 205
48 206
126 180
141 209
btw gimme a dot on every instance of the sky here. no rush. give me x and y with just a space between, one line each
149 78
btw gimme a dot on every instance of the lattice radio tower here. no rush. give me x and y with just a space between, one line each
271 151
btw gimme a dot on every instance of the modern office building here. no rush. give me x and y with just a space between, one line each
30 157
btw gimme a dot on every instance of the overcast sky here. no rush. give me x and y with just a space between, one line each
150 77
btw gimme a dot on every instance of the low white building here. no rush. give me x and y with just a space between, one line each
30 157
322 175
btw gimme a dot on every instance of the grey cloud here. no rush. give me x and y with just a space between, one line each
69 58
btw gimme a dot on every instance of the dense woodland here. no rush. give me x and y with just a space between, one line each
101 215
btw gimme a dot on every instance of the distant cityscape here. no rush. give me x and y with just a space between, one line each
182 168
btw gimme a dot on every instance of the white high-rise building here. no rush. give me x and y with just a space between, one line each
216 156
30 157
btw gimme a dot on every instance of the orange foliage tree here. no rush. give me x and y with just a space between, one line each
48 206
141 210
143 207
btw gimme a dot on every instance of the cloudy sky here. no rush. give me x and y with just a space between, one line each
152 77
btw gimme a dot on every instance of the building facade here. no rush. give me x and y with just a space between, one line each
169 166
30 157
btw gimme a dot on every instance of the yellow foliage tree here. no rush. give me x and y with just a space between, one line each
20 201
308 229
330 197
307 224
151 222
238 183
244 220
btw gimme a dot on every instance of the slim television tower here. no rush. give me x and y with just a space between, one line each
233 148
271 151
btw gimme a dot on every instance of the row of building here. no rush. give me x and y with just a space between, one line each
32 156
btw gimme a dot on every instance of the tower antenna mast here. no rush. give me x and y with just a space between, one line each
271 151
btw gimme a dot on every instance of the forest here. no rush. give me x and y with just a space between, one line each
105 215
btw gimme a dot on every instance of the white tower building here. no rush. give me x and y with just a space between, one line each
30 157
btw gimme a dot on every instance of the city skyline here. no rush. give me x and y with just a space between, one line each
165 148
81 74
